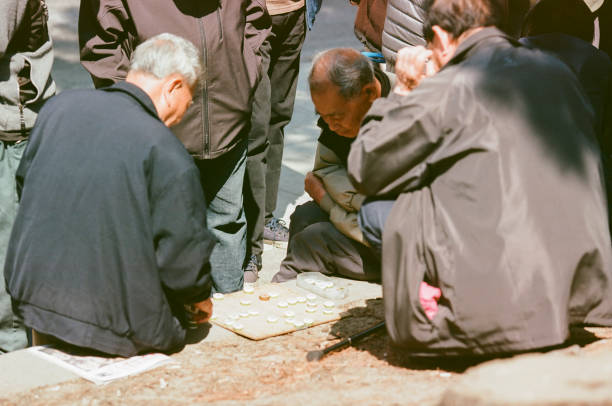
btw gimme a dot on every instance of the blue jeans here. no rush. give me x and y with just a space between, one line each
222 179
12 331
372 218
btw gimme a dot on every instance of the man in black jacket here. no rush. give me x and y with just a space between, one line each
110 241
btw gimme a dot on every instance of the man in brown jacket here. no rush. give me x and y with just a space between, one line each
214 130
499 201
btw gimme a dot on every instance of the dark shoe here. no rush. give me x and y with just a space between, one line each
276 233
251 270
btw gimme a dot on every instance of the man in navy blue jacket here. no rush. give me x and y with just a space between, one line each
110 241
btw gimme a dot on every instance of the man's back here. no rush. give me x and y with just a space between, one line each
501 202
111 222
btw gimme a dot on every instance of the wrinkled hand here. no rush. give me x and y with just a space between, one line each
203 311
413 65
314 187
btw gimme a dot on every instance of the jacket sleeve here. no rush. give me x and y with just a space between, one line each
333 174
104 40
346 223
258 26
405 141
182 243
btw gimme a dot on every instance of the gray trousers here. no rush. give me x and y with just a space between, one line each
272 111
315 245
12 331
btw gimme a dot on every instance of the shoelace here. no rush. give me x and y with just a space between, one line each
276 224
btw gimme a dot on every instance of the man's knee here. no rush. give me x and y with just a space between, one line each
372 217
305 215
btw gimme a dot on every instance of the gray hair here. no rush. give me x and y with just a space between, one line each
345 68
167 54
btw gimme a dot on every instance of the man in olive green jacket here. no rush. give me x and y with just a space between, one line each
324 235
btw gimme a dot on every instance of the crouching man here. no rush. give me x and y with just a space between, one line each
110 241
498 195
324 235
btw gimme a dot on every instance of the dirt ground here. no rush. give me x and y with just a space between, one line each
275 372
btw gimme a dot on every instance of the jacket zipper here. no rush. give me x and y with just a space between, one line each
220 25
205 124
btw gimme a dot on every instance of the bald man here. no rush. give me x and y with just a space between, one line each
324 235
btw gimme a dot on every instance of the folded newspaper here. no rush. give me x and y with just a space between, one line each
100 369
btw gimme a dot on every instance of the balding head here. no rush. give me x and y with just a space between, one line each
344 68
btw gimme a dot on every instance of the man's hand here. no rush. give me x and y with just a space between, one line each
413 65
203 311
314 187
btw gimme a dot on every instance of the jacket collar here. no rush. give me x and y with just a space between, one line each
137 93
473 40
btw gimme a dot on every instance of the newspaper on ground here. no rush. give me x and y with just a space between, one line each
100 369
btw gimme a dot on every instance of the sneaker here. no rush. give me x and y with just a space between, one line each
276 233
251 270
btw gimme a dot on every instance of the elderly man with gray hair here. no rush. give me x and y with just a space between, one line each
110 245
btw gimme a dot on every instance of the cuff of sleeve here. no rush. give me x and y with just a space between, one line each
326 203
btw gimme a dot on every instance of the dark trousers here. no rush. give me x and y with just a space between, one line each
272 111
315 245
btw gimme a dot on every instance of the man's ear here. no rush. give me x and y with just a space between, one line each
173 84
443 38
370 92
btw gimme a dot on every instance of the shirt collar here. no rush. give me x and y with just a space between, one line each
137 93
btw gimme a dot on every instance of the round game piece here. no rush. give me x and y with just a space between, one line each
253 313
272 319
311 304
218 296
289 313
238 326
301 299
311 309
292 301
327 311
329 304
311 296
298 323
229 322
282 304
329 284
308 322
265 297
273 294
234 316
321 285
248 289
290 321
244 315
245 302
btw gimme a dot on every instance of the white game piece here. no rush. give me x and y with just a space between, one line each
272 319
329 284
301 299
218 296
289 313
308 322
311 304
248 289
321 285
328 311
238 326
311 309
290 321
298 323
329 304
229 322
311 296
273 294
234 316
244 315
282 304
253 313
245 302
292 301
